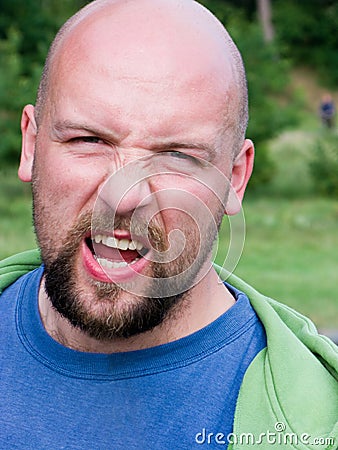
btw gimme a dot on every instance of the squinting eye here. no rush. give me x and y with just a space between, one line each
180 155
87 139
176 162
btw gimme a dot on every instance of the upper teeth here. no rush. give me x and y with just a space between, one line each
121 244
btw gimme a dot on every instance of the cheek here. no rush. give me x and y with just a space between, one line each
68 186
190 202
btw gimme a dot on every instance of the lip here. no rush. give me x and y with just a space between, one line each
121 274
118 234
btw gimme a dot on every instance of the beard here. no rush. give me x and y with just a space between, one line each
106 311
108 317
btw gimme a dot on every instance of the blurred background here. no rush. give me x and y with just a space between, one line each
290 50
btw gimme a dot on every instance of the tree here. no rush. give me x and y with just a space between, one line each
308 33
26 30
264 13
16 89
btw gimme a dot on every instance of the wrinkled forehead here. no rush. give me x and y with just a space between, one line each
150 41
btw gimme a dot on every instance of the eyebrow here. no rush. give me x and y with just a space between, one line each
61 126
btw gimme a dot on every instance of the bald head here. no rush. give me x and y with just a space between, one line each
150 41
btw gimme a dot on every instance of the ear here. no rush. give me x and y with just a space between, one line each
29 131
241 172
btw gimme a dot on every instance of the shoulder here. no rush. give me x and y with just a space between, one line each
17 265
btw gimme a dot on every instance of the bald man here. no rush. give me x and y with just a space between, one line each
126 337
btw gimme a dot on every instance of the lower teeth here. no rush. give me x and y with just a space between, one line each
114 264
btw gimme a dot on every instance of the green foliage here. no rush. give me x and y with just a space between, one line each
37 21
16 89
264 167
268 79
308 32
291 152
272 106
26 30
324 164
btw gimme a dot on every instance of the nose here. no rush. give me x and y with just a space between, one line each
128 189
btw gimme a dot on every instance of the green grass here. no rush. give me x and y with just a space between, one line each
290 253
16 231
291 244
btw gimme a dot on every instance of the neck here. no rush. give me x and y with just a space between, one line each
205 303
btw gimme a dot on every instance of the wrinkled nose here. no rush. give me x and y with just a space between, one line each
127 190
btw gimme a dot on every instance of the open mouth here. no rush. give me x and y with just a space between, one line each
113 253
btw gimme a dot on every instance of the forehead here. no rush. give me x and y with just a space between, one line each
144 64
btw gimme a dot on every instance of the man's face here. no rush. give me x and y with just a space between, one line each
105 232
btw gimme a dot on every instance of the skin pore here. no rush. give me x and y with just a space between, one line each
115 91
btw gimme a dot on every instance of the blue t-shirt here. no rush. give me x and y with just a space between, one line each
166 397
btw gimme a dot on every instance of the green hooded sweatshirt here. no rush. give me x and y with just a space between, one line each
289 395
